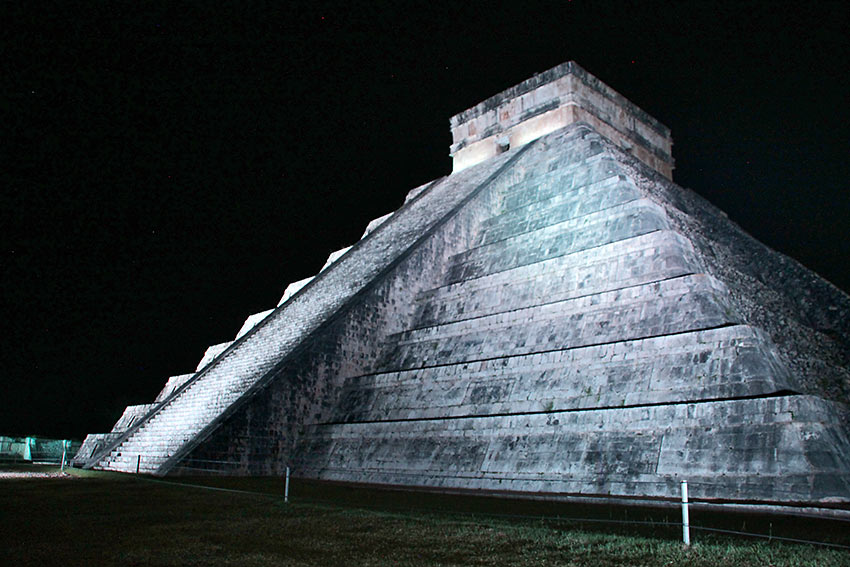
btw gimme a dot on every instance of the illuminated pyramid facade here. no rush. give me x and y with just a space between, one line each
556 316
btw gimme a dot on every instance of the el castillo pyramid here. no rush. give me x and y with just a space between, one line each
555 317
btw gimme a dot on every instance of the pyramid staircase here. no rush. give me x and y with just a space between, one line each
238 369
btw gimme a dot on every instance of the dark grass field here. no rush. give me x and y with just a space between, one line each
91 518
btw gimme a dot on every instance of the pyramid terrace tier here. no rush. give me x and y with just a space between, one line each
780 449
688 303
729 362
549 184
651 257
573 235
563 206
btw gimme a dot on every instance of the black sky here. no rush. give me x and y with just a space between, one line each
168 170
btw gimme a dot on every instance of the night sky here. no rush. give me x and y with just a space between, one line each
166 172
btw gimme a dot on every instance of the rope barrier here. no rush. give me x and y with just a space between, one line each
308 500
770 537
240 465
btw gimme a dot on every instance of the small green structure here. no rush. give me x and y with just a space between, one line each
37 449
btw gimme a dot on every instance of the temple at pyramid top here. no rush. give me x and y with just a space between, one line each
549 101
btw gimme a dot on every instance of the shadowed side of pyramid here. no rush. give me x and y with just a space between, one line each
555 317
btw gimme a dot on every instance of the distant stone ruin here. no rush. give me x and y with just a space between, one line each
555 317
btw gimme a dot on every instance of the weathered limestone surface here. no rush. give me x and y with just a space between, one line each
95 442
293 288
770 449
558 318
604 361
92 447
375 224
722 363
334 256
252 321
211 353
130 416
171 386
806 317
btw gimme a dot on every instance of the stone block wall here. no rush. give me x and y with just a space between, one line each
552 100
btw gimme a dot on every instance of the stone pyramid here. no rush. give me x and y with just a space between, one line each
555 317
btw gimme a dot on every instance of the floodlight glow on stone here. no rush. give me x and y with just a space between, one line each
558 319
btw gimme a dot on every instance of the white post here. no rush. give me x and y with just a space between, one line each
686 524
64 447
286 489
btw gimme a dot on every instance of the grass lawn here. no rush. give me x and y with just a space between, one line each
103 519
